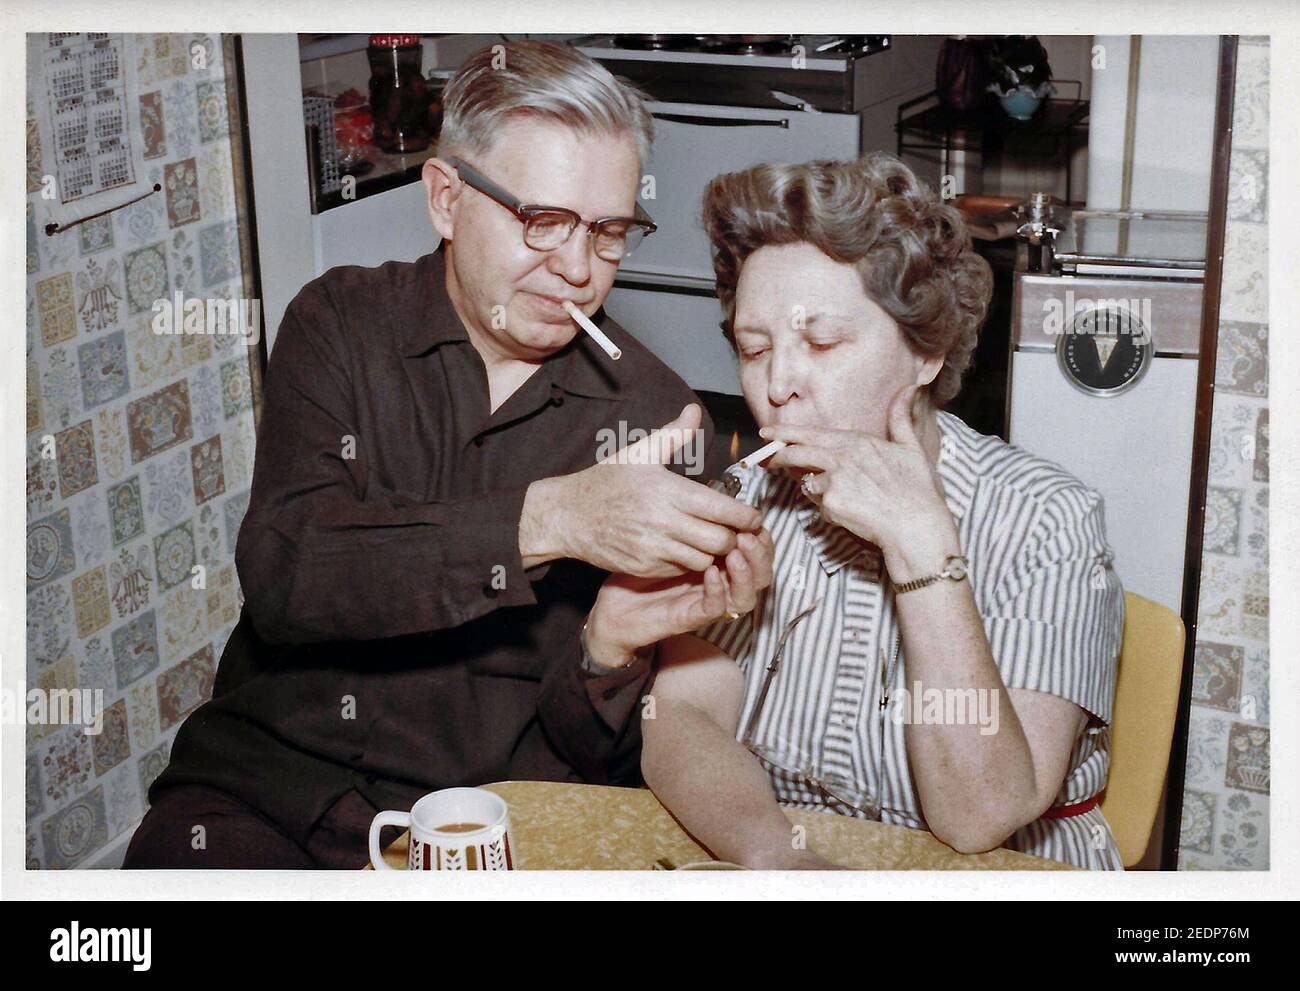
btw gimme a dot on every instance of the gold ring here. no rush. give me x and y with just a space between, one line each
805 483
732 615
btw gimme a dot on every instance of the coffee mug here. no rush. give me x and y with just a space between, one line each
456 829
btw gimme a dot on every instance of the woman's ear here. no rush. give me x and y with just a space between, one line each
442 192
928 370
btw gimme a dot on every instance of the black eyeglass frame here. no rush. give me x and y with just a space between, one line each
524 212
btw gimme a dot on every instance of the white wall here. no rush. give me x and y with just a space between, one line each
282 199
1174 132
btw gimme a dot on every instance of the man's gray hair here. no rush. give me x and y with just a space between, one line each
542 80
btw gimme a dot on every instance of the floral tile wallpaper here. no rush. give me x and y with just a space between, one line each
1225 801
139 455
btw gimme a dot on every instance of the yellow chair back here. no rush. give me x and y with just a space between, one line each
1142 725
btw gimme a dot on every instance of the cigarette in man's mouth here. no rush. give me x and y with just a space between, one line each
762 454
594 332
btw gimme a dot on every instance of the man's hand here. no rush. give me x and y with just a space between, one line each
631 613
630 515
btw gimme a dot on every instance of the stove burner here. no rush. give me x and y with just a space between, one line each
717 44
755 44
658 42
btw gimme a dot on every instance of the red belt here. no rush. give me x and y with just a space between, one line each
1069 811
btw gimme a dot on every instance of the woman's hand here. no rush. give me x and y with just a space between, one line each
631 613
885 491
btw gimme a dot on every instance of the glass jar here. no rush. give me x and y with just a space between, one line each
399 101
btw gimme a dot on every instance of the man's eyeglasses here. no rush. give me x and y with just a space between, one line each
549 227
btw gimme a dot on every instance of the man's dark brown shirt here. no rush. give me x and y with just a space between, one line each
391 640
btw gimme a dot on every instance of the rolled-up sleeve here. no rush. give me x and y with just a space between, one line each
1057 617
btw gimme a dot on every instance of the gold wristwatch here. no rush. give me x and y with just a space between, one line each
954 569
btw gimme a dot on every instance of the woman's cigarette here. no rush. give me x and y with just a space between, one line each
762 454
596 334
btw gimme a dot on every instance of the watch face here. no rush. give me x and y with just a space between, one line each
1105 350
956 568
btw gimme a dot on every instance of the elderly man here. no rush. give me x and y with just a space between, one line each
429 524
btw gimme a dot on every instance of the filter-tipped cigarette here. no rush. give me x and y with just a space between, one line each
594 332
762 454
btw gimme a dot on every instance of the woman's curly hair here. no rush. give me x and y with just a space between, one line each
912 251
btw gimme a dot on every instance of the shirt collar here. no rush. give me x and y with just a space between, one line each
581 368
835 546
421 310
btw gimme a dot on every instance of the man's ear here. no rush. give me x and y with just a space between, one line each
442 192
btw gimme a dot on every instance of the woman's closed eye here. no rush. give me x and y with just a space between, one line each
817 347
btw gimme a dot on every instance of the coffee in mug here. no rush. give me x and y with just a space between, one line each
456 829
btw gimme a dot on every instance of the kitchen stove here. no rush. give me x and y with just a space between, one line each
722 103
815 72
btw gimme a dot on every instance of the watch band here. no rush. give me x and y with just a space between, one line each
955 568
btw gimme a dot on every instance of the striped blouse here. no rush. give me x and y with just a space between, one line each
1040 570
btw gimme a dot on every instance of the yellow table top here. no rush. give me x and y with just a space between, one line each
558 826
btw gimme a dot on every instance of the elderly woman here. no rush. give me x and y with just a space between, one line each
937 647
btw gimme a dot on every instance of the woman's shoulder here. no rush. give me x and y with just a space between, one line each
987 461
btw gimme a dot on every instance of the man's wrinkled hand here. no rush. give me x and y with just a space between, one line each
631 515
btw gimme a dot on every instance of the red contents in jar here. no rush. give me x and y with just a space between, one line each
353 124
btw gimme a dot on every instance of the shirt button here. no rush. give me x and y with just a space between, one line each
478 441
557 400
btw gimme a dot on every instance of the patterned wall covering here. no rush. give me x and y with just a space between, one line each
1225 802
153 455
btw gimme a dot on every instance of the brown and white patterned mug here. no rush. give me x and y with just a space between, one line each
456 829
